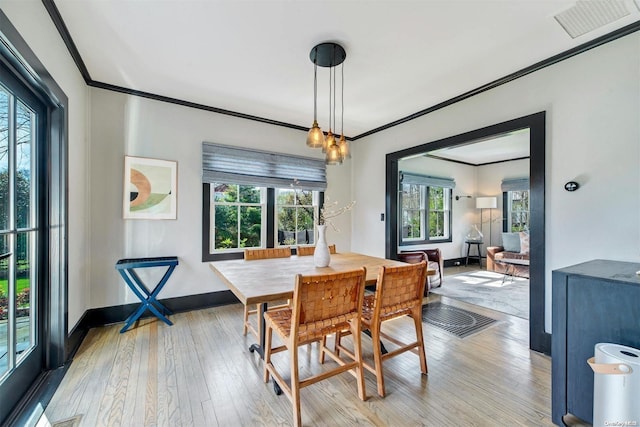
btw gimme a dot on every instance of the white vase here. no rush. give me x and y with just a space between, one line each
321 255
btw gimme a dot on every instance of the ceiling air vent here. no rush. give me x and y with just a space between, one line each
587 15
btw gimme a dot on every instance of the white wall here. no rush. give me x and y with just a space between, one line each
592 135
33 23
128 125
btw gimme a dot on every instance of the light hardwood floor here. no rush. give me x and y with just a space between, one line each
200 373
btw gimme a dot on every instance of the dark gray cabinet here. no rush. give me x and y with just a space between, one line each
596 301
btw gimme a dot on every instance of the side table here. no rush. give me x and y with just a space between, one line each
477 244
126 268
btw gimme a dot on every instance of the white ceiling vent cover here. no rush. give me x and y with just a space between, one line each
587 15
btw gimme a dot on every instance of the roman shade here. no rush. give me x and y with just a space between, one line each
235 165
517 184
431 181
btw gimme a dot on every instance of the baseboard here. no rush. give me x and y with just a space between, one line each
118 313
75 337
456 262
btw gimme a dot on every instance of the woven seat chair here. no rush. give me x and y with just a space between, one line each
253 254
308 250
398 293
321 305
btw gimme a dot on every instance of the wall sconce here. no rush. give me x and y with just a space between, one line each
462 197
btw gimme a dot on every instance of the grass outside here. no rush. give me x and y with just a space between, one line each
21 284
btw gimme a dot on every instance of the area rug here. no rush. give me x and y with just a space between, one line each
457 321
487 289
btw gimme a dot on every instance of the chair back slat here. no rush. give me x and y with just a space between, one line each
322 303
308 250
400 287
253 254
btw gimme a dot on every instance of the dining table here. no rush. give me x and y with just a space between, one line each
270 280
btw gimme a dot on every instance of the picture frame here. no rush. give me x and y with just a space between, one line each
150 188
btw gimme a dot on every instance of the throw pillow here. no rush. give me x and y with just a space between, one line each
511 242
524 243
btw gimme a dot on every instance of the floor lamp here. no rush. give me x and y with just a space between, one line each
483 203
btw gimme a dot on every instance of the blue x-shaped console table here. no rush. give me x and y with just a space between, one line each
126 268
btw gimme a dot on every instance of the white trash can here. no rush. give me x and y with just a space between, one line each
616 385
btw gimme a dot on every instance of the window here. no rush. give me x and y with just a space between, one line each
425 204
238 212
439 212
257 199
518 210
295 213
515 204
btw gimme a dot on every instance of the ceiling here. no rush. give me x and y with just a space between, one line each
499 148
252 57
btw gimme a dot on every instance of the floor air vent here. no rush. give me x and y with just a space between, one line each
457 321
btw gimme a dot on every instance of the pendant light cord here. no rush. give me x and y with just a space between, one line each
315 87
334 98
342 101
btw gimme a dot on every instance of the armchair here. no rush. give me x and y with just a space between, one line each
435 261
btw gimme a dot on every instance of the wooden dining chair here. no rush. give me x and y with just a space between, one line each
308 250
398 293
321 305
253 254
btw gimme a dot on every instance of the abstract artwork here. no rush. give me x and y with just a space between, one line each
150 187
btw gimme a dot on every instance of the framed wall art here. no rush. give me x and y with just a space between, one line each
150 188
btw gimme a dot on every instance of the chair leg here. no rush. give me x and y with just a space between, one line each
357 347
377 357
295 387
417 320
267 351
322 349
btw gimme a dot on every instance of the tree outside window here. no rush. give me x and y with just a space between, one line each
295 210
426 213
518 210
239 216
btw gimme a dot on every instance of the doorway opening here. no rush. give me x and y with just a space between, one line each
539 340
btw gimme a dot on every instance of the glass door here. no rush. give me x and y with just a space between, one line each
21 349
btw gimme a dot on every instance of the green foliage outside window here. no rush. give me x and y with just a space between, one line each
437 212
428 206
238 216
295 213
519 210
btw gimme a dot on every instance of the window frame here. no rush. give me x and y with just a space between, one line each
269 230
507 210
239 204
296 206
426 212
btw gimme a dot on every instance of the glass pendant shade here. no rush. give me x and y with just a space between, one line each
345 152
333 154
329 141
315 137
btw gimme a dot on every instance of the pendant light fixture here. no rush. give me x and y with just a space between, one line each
328 55
315 138
345 153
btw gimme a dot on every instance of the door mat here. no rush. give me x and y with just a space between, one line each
456 321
